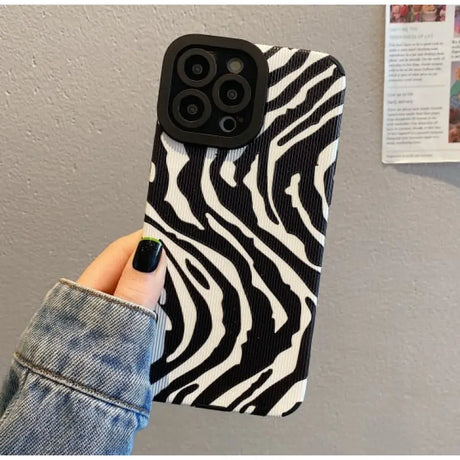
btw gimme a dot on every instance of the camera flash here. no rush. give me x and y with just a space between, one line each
235 65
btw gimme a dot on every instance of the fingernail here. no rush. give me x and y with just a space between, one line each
147 255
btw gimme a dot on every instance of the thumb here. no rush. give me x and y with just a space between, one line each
143 277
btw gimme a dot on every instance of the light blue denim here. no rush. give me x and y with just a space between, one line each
79 380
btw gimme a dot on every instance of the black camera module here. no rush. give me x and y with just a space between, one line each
231 93
191 108
196 67
213 91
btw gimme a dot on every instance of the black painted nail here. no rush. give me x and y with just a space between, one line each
147 255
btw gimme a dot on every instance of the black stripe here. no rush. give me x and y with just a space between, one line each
292 409
271 52
257 384
296 61
184 392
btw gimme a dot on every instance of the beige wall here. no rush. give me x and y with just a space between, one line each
77 111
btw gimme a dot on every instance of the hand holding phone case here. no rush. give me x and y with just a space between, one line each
244 230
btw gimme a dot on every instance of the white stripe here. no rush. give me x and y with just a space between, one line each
264 48
335 112
293 191
152 172
227 171
280 58
176 159
325 159
236 391
185 299
163 325
276 90
295 394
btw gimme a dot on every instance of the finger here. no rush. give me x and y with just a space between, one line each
144 274
104 272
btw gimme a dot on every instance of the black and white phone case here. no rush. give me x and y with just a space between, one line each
244 230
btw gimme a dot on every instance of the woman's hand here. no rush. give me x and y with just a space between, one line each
79 382
112 271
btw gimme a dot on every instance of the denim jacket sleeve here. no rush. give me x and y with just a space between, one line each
79 380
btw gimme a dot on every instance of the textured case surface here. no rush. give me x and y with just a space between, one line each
244 231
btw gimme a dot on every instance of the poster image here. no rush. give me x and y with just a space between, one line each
457 22
454 107
417 13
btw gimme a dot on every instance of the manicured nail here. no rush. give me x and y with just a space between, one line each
147 255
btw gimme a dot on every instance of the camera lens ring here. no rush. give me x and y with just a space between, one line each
218 100
182 72
227 129
191 123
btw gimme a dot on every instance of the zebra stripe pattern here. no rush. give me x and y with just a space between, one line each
244 231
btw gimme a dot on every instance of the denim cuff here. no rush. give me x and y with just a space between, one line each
94 343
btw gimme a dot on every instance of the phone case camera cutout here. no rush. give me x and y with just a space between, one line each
212 91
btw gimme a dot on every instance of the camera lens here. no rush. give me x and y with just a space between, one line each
197 70
235 65
227 124
231 93
196 67
191 108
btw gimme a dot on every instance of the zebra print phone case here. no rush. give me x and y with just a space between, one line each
244 230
